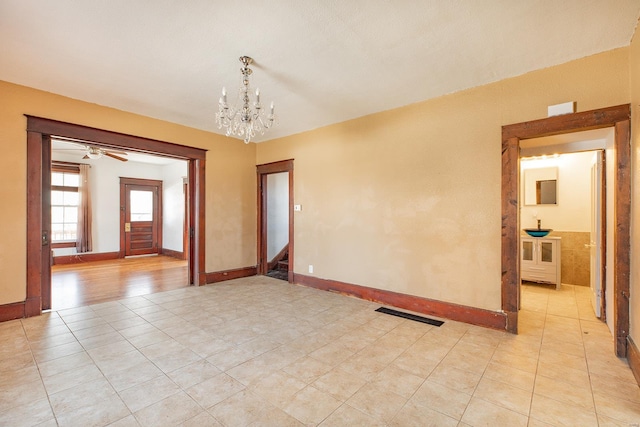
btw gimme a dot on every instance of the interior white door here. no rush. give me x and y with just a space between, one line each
595 235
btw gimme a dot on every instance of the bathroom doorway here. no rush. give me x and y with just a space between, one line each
576 214
618 118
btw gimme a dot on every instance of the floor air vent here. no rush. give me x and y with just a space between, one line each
410 316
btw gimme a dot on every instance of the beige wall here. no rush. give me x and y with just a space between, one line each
634 73
230 179
408 200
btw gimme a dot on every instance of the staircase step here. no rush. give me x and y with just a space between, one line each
283 265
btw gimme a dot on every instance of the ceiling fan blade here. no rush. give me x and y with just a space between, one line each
85 157
115 152
113 156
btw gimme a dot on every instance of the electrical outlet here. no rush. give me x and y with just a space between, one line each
310 268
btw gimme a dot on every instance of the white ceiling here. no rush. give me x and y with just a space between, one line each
321 62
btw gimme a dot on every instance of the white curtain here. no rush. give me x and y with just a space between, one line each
84 236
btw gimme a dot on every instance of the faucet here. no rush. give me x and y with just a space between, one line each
539 223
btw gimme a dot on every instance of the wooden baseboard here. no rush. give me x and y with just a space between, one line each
633 356
11 311
221 276
459 313
80 258
173 254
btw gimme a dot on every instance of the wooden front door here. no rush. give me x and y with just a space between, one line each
140 217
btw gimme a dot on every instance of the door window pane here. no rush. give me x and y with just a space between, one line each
141 203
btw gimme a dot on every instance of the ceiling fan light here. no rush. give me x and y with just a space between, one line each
94 156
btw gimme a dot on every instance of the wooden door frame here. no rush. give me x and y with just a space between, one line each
262 172
123 188
185 219
618 117
39 131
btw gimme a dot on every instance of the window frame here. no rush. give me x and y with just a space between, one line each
70 168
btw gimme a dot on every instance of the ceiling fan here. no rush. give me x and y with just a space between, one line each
97 152
91 151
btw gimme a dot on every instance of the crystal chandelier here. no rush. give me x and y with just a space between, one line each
247 118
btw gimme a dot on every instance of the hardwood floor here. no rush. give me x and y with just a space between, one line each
74 285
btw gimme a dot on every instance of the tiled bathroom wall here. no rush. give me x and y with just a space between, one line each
575 257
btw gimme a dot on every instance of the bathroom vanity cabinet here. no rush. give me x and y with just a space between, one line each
540 259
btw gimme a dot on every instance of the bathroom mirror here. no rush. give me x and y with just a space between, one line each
541 186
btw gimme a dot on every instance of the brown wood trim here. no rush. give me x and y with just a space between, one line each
185 221
63 245
172 253
140 181
291 223
60 166
237 273
633 357
12 311
34 218
459 313
64 188
622 236
80 258
32 304
279 257
108 139
262 224
262 171
197 220
510 234
39 131
603 238
275 167
587 120
618 117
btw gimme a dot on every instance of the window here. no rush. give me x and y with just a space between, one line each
64 204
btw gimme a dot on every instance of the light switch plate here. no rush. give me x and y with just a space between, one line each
297 208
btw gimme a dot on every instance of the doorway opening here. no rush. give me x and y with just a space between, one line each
576 215
617 118
275 220
40 133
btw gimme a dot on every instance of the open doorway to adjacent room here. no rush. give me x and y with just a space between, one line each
566 221
102 265
608 189
108 206
275 220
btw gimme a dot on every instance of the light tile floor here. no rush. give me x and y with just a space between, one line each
258 351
